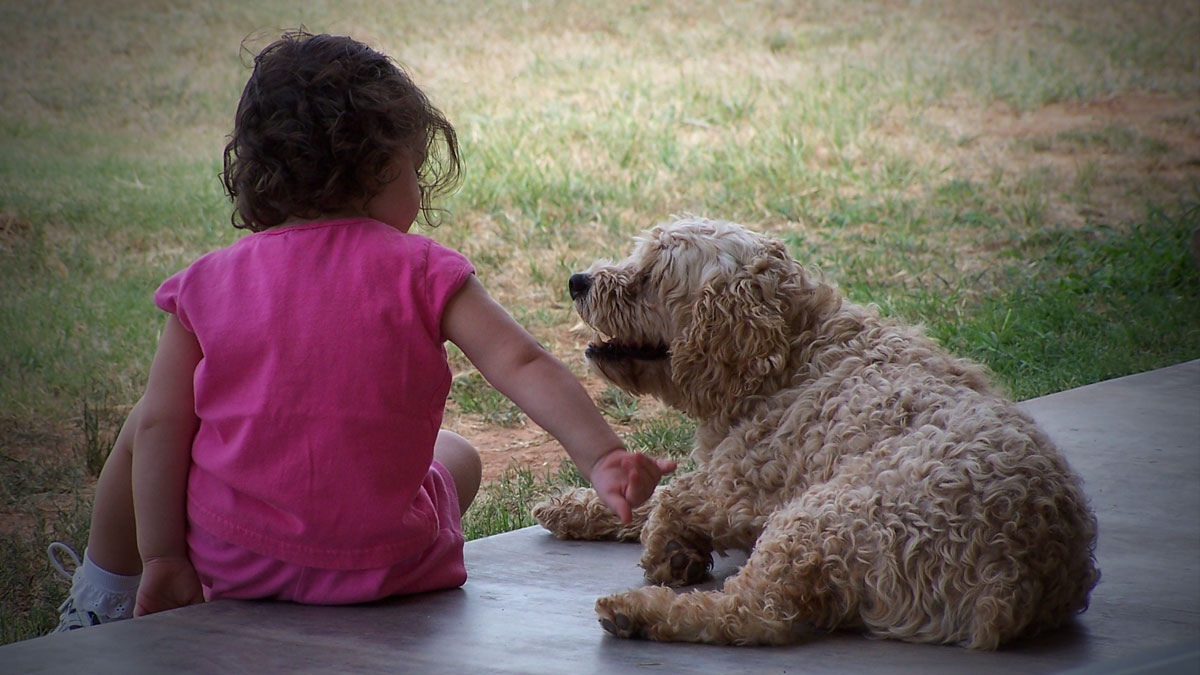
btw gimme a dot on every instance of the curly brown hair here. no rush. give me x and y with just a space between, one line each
318 127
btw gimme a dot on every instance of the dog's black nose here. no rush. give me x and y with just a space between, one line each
579 284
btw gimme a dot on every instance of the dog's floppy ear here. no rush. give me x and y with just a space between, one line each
737 337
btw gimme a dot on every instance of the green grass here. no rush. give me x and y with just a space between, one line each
1104 303
506 504
474 396
1072 307
669 435
27 573
1026 190
620 407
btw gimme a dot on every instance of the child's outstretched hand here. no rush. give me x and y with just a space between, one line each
624 479
167 583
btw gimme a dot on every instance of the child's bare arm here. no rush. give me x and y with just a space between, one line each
543 387
161 455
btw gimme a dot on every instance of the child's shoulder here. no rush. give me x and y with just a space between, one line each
365 237
411 242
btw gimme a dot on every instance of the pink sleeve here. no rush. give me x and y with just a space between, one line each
167 298
445 272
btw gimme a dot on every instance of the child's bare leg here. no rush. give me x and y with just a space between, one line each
112 543
462 461
104 586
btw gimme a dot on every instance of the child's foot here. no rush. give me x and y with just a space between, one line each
71 617
87 605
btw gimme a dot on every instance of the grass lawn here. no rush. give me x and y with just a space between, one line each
1022 177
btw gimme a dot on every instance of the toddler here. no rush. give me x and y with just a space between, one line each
288 444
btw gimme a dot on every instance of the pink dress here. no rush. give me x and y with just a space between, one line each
320 395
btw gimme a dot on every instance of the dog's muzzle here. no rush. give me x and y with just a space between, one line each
578 285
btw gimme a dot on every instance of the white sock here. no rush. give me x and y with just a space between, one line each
95 589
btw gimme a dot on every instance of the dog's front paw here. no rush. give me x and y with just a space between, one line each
683 561
577 514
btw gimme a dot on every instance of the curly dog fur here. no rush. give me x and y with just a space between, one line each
878 482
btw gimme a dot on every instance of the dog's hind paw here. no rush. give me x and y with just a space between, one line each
682 563
622 626
630 614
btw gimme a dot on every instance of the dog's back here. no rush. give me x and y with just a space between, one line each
941 492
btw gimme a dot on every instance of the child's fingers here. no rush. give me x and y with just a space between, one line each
624 512
620 506
643 478
653 468
634 476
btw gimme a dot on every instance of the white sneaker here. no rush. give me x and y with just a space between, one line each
71 617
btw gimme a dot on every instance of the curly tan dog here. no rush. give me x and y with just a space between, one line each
879 483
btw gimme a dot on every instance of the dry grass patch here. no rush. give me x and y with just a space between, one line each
1107 158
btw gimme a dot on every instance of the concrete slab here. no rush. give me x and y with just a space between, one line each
527 607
